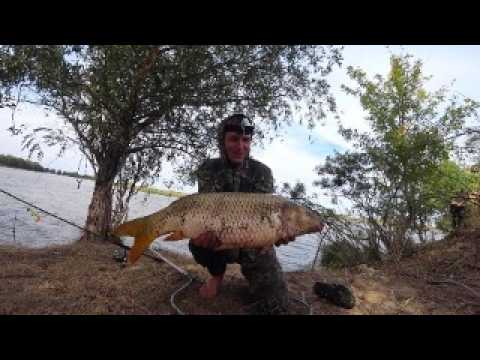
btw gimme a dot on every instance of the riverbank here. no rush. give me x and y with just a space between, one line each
83 278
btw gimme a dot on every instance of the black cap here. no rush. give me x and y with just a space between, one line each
238 123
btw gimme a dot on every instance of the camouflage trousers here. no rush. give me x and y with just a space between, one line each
261 269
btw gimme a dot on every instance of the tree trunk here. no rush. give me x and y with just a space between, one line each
99 212
99 218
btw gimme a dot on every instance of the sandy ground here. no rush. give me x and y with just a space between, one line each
84 278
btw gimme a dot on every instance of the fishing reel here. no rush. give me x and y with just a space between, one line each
120 256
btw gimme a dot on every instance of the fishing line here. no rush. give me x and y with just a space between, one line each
155 256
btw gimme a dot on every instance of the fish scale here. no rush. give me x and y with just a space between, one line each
239 220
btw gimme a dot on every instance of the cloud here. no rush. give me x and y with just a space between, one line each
293 159
444 63
289 161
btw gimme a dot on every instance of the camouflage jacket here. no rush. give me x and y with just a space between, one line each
215 175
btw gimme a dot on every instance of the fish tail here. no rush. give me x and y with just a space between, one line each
141 244
139 229
143 233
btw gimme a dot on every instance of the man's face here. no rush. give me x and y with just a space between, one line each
237 146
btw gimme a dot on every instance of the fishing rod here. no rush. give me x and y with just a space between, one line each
117 241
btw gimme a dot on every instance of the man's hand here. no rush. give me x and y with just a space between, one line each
206 240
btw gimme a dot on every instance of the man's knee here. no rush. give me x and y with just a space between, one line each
266 280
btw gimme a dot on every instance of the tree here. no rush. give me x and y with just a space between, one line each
130 108
297 191
387 173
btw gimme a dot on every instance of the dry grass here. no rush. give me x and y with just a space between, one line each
84 279
453 260
408 287
168 193
80 279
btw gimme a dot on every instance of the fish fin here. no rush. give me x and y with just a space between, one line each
141 243
131 228
176 235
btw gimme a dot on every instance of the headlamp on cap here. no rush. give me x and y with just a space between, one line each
242 125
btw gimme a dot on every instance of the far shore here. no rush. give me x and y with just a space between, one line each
149 190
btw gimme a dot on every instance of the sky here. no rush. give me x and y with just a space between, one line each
293 157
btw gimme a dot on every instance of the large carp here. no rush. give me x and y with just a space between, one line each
239 220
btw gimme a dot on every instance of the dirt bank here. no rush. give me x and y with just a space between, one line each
441 278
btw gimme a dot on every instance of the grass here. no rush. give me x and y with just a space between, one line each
83 278
155 191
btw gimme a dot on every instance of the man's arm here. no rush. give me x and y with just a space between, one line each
204 178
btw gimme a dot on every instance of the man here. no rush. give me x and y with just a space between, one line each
457 209
235 171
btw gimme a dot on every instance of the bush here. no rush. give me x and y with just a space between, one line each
340 254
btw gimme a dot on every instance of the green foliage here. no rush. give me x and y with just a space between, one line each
447 181
391 174
341 254
163 101
130 108
297 191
